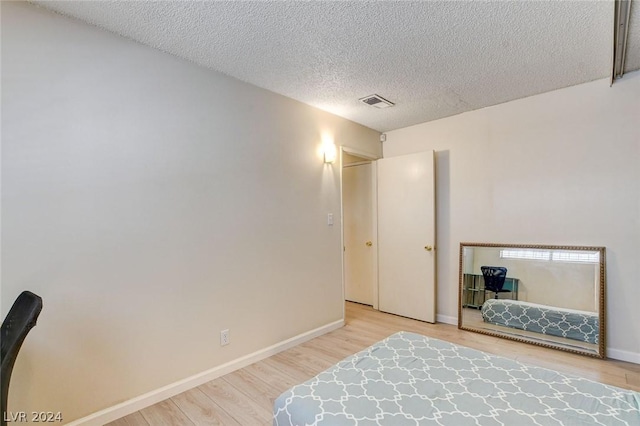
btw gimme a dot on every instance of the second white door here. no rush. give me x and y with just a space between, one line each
406 236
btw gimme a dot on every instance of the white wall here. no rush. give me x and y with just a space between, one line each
152 203
557 168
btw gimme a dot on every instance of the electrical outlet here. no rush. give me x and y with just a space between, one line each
224 337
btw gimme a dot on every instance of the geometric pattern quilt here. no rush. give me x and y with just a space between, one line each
550 320
410 379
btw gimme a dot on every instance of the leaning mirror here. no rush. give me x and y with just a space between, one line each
550 296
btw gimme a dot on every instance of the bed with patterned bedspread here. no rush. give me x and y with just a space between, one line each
550 320
409 379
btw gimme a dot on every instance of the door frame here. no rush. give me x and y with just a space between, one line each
374 218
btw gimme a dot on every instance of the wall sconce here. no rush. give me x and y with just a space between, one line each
330 152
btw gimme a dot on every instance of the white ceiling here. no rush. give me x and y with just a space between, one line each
432 58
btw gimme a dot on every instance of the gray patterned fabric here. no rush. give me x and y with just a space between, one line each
569 323
409 379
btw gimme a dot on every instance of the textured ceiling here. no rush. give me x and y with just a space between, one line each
433 59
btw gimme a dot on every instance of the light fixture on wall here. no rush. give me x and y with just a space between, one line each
330 152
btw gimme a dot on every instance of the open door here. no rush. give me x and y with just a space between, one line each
359 229
406 236
359 253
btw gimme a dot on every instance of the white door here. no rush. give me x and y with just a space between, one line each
406 236
359 250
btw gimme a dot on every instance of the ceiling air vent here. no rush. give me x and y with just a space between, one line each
376 101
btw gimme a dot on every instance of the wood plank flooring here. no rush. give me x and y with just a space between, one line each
246 396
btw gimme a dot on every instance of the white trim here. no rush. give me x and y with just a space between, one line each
359 153
131 406
621 355
374 231
359 163
344 307
446 319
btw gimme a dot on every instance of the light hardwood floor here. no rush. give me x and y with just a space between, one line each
246 396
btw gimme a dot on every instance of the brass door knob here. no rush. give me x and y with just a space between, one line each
369 243
428 248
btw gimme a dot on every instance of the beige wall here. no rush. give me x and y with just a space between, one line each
153 203
559 168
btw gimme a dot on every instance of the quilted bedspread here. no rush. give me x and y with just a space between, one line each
569 323
409 379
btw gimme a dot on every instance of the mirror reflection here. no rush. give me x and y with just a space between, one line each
546 295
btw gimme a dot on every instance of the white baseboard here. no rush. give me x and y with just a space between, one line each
131 406
447 319
623 355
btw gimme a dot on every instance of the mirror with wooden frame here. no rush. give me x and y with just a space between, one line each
546 295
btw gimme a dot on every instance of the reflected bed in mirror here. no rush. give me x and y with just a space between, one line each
550 296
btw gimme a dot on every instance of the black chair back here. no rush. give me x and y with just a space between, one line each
21 318
494 277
